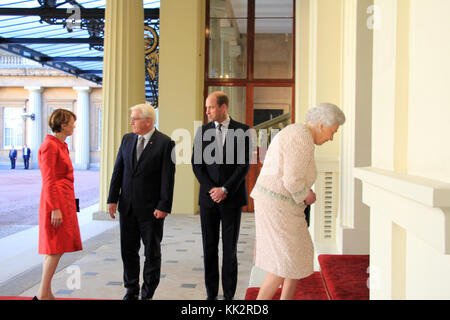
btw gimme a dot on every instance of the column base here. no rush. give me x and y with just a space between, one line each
104 216
81 166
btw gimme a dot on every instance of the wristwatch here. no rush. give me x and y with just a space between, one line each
225 190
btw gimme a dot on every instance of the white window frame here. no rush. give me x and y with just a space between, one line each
15 123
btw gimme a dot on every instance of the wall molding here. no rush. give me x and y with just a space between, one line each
428 192
417 204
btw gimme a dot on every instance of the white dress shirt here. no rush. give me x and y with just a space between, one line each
147 137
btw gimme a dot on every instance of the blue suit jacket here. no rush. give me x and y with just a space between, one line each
13 154
28 153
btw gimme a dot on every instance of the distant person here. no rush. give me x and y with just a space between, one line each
26 156
282 191
13 157
58 223
141 189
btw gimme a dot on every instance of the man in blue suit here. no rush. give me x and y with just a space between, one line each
26 156
220 162
142 184
13 157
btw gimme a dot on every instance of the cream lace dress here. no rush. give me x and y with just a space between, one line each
283 242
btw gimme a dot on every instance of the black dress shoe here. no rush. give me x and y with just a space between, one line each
131 296
211 298
228 298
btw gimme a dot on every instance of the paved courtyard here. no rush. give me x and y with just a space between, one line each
20 191
96 271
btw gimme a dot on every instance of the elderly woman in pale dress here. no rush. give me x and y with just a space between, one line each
283 244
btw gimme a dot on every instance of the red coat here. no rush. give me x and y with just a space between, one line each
57 193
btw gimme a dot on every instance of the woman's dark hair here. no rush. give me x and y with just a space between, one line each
60 117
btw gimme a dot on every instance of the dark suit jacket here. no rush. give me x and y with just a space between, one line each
13 154
233 170
28 153
148 184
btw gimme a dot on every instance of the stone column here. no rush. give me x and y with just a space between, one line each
184 70
123 81
82 145
35 132
356 100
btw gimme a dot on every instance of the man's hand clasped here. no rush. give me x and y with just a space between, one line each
217 194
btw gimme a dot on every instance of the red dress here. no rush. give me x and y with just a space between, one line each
57 193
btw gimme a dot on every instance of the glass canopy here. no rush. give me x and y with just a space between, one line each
51 33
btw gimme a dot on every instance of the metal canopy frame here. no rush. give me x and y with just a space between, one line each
68 36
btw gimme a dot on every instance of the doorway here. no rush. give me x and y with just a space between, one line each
250 56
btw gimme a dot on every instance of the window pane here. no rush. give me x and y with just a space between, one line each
7 134
228 48
272 107
237 101
273 49
13 127
228 9
274 8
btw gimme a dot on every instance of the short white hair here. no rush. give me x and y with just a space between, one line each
147 111
325 113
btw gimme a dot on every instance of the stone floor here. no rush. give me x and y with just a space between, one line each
97 272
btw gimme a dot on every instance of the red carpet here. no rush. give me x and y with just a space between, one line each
31 298
310 288
345 276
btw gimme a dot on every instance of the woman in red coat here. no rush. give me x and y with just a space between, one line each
58 224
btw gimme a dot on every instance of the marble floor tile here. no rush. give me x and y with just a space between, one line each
98 274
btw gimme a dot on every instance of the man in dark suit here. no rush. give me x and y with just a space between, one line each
13 157
220 162
26 152
142 183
